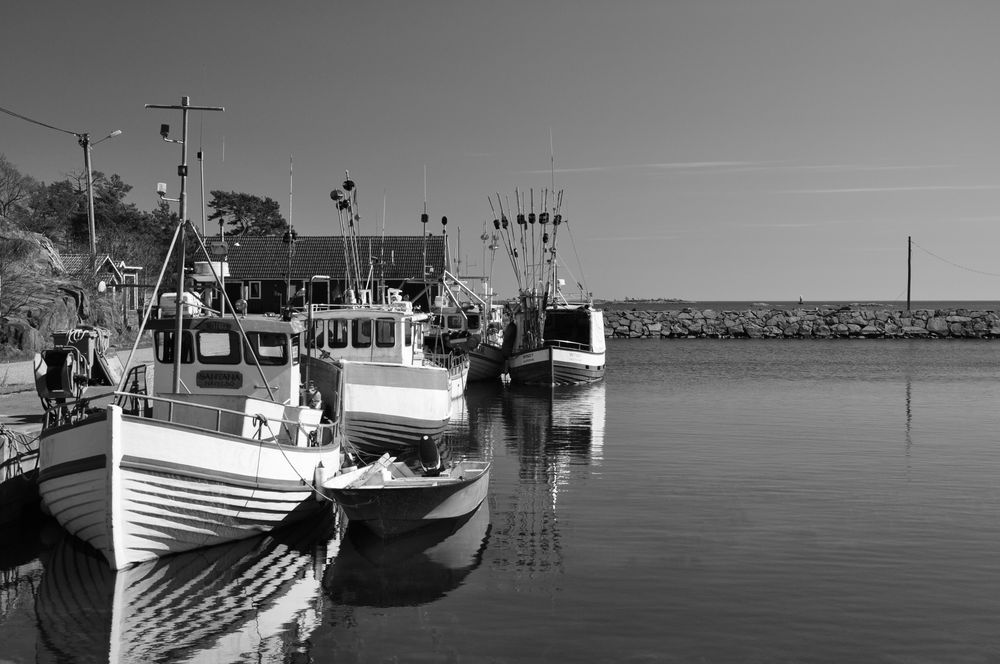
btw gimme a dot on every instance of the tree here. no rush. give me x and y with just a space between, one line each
247 214
59 212
15 189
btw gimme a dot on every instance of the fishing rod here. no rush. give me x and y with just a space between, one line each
502 224
522 225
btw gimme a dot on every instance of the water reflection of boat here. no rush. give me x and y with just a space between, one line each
409 570
252 599
557 423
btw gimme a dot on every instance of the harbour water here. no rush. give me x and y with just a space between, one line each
711 501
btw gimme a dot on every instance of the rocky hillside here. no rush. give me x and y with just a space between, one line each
37 297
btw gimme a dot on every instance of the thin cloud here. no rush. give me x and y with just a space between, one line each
729 167
869 190
666 166
633 238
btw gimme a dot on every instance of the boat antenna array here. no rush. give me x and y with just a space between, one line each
530 250
346 201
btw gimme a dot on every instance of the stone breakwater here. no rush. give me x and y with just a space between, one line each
802 323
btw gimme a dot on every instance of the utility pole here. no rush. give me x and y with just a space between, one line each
909 268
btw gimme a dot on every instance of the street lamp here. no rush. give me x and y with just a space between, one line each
84 140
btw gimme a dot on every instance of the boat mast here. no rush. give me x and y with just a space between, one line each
182 171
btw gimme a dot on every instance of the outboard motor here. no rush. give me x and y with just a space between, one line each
430 457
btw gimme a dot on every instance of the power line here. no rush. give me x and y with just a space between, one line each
953 264
42 124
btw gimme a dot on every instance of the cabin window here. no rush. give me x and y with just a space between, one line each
270 348
296 348
218 347
164 340
361 332
408 332
572 325
253 289
454 322
473 321
385 332
337 330
316 339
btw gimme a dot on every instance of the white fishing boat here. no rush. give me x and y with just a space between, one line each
369 359
369 356
549 339
558 344
221 447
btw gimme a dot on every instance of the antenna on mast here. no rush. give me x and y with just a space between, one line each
552 160
423 220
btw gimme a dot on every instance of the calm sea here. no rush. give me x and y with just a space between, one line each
711 501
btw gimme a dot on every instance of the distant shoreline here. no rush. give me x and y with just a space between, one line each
673 304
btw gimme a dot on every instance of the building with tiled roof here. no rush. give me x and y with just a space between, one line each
258 267
116 275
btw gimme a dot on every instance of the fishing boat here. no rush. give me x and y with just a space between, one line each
549 340
367 354
221 446
487 360
390 498
369 359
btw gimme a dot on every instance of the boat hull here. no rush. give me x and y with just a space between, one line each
486 362
556 366
403 505
137 488
387 407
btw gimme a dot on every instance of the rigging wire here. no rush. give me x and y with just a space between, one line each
41 124
954 264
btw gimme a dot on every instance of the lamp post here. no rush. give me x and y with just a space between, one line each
84 140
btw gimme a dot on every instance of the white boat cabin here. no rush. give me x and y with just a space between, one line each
390 333
215 360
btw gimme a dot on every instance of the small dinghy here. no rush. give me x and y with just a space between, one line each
391 498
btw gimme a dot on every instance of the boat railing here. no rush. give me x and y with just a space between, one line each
234 422
403 306
567 345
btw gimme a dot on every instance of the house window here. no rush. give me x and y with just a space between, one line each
254 288
385 332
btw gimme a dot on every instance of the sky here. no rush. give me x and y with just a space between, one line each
707 149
